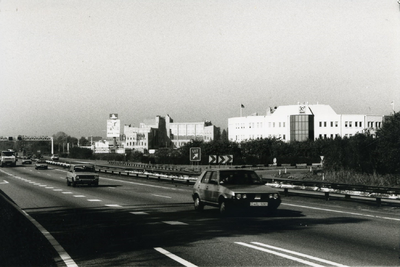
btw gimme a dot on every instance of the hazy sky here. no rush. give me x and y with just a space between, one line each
66 65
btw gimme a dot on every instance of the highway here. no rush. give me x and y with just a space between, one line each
130 221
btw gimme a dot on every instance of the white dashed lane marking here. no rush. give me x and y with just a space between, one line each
139 213
97 200
161 196
174 223
113 205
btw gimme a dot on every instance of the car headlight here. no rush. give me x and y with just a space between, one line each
241 196
274 196
77 177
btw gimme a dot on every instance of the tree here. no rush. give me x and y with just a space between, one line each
388 147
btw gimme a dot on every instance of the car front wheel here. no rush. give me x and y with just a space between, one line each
198 204
223 208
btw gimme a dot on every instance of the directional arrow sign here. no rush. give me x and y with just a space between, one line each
212 159
195 154
225 159
229 159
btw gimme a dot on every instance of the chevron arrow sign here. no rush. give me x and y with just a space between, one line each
212 159
225 159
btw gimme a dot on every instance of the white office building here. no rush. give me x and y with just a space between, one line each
301 122
163 132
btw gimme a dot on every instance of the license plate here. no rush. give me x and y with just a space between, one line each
258 204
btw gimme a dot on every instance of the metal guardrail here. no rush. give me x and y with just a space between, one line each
184 175
328 189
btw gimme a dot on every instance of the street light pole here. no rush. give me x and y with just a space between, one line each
52 145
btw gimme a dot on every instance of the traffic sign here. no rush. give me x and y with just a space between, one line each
195 154
225 159
212 159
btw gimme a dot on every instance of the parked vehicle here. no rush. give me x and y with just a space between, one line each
232 189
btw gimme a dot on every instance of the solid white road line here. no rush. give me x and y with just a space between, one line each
60 250
343 212
299 254
281 255
174 257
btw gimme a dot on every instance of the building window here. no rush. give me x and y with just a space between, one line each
346 123
350 124
324 123
301 127
331 123
320 124
284 124
336 124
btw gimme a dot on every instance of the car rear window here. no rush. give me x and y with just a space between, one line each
239 177
84 169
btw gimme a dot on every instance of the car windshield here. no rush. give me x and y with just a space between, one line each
239 178
7 153
84 169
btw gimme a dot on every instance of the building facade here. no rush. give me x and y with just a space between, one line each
163 132
301 122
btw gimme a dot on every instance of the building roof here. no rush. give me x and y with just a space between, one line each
306 109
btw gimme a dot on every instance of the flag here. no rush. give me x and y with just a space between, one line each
241 105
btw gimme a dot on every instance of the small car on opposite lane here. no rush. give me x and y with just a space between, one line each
26 160
234 189
82 174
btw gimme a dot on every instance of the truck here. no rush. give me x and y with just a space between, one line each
8 158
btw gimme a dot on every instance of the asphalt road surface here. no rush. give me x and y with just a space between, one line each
130 221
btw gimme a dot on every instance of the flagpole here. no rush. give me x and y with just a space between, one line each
393 107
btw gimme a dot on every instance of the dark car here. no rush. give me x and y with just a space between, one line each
232 189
